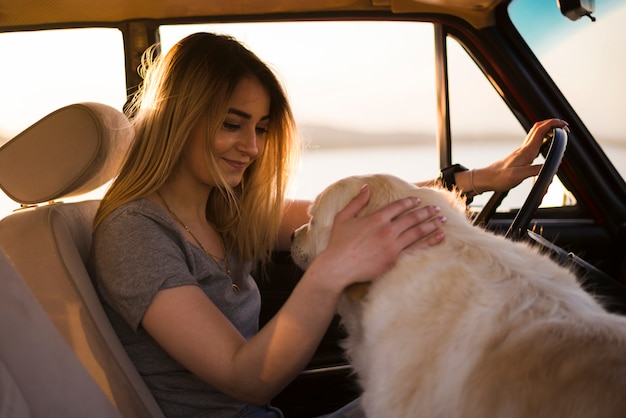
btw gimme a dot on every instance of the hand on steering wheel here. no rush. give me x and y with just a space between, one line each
556 150
507 173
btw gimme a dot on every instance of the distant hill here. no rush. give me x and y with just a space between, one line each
324 136
328 137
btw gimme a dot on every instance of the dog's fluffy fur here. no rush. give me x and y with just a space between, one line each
478 326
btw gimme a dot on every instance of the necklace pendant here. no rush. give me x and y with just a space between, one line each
236 288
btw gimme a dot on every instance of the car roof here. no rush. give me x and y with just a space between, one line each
41 14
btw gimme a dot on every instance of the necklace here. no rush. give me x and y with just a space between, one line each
215 259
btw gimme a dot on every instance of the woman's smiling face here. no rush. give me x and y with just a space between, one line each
239 140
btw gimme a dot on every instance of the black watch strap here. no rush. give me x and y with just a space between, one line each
447 175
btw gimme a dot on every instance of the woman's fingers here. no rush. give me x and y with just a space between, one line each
510 171
405 225
372 243
420 228
402 219
538 132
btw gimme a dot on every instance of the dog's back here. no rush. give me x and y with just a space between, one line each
480 326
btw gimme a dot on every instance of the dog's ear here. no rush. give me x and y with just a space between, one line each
328 203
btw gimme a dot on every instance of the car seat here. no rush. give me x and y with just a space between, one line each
71 151
40 376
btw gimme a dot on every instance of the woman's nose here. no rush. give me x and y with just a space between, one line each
250 144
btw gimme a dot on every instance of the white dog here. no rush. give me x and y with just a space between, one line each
478 326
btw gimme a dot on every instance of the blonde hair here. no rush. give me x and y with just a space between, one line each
195 79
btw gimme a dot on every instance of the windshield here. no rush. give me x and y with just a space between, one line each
587 60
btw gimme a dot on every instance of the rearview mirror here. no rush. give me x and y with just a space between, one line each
575 9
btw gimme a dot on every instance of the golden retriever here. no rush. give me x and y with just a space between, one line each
477 326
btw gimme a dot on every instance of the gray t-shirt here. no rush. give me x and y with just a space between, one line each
139 250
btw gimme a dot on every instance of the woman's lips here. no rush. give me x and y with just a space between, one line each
238 165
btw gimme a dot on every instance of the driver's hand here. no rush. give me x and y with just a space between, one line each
510 171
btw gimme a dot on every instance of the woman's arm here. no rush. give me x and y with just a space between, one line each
193 331
502 175
510 171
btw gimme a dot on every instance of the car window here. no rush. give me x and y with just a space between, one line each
587 60
42 71
363 94
484 130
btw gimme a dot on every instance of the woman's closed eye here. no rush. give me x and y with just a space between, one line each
261 130
231 126
234 126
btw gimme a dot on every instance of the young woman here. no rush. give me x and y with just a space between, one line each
200 199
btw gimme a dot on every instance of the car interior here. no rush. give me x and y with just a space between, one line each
33 354
49 244
59 355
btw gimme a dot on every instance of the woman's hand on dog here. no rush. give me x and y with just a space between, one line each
510 171
361 248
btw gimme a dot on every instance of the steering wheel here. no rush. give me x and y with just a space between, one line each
595 281
557 142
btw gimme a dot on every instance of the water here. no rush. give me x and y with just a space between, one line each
321 167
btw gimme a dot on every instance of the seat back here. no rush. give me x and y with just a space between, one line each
71 151
39 374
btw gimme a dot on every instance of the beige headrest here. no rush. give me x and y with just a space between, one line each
71 151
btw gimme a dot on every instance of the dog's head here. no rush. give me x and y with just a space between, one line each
312 238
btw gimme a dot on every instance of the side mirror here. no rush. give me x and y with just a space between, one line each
575 9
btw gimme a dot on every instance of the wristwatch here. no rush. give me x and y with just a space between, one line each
447 175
